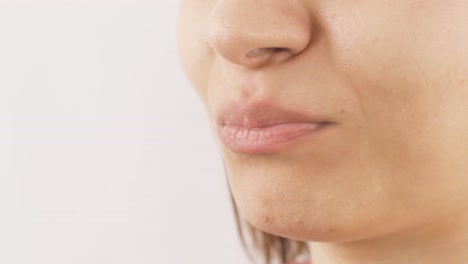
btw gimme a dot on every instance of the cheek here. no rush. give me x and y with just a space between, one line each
406 68
400 62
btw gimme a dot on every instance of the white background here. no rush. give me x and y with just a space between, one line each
105 151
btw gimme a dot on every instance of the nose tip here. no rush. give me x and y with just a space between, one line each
254 35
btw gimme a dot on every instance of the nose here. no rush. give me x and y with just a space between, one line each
256 33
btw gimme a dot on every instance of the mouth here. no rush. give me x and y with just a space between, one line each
268 139
255 128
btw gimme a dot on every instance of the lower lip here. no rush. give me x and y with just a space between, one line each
268 139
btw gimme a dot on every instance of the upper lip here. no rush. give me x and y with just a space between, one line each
262 114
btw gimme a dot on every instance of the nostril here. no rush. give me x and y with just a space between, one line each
263 51
257 52
278 49
259 57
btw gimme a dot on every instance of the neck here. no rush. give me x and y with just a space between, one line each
443 240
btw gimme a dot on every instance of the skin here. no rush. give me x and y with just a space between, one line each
388 182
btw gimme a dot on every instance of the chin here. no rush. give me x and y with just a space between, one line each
302 200
297 226
314 218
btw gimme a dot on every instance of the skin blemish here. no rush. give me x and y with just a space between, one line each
265 218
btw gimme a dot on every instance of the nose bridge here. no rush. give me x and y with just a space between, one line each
252 33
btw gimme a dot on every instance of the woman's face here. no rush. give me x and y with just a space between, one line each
389 78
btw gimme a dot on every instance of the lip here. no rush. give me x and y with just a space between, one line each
264 127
